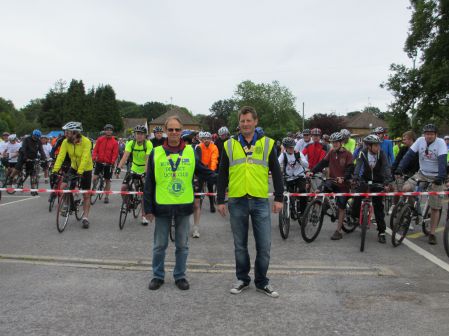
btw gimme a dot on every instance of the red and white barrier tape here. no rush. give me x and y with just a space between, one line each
111 192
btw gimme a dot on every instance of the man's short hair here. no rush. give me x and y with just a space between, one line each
410 135
246 110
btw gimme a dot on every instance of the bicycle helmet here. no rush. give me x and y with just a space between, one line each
315 131
205 135
288 142
37 133
108 127
326 137
378 130
73 126
446 137
223 131
157 129
337 136
140 129
187 134
12 137
371 139
306 132
345 133
429 128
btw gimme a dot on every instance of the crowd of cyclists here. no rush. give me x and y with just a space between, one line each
371 164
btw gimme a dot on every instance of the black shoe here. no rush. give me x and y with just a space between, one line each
381 238
432 239
212 209
85 223
182 284
155 284
106 200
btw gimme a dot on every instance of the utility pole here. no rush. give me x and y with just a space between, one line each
303 116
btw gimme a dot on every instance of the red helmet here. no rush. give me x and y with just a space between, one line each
315 131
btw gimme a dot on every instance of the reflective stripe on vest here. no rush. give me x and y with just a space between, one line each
248 174
176 189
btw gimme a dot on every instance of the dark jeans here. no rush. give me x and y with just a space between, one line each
240 209
378 206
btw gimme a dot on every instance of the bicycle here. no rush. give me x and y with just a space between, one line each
55 195
131 202
19 181
366 211
289 210
403 213
69 204
98 185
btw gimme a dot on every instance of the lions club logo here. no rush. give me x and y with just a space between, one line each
176 187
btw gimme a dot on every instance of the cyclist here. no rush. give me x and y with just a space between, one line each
223 136
372 167
315 151
348 142
302 143
3 142
158 139
294 165
341 166
104 155
47 149
78 148
325 141
432 154
31 147
11 153
385 144
208 154
139 149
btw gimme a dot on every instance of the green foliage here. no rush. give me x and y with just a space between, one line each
328 123
74 104
419 91
32 110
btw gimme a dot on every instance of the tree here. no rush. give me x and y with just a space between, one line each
7 112
74 101
419 90
222 110
275 106
376 111
328 123
32 110
105 109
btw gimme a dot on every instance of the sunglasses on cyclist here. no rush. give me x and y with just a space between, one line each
174 130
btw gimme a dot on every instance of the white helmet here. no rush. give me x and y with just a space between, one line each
345 133
12 137
73 126
205 135
223 130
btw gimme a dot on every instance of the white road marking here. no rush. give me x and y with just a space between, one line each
26 199
429 256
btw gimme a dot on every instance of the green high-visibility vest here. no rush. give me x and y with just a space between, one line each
174 187
248 174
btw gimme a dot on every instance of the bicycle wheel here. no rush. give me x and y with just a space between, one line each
172 229
63 213
137 201
446 236
284 220
364 225
101 187
401 225
97 187
78 207
312 220
349 224
123 212
426 223
9 181
51 201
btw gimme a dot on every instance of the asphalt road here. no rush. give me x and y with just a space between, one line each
94 282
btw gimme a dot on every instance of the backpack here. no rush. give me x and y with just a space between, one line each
130 158
297 158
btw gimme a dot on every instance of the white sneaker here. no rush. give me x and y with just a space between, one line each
239 287
196 234
268 290
144 221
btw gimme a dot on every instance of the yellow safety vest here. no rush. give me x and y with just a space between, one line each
248 174
174 187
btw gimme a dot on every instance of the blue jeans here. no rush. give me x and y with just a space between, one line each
160 243
240 209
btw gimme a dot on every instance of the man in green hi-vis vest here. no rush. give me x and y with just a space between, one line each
244 166
168 195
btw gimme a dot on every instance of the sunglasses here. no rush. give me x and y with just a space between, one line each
174 130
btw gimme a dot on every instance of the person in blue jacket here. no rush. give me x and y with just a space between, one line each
385 144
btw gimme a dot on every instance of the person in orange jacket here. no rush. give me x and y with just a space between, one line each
208 153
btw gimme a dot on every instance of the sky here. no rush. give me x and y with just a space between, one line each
331 54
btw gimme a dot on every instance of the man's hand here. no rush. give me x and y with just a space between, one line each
150 217
117 171
309 174
277 207
222 209
340 180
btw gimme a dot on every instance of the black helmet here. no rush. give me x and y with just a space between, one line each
157 129
429 128
371 139
108 126
288 142
306 132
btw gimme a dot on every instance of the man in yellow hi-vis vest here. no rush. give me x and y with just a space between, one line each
245 163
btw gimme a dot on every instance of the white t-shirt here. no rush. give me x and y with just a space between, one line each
13 151
3 147
47 149
294 168
301 144
428 155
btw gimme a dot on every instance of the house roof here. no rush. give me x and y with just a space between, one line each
363 120
133 122
186 118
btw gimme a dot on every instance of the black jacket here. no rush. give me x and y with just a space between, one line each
31 147
379 174
412 168
149 194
